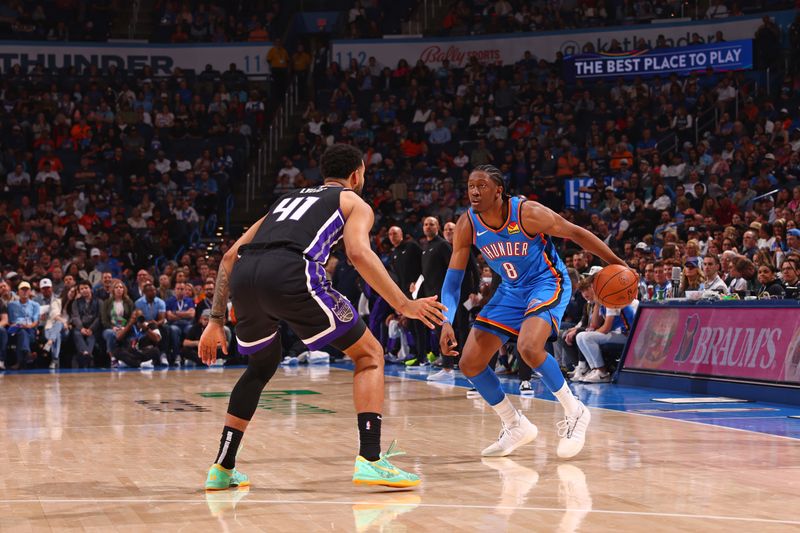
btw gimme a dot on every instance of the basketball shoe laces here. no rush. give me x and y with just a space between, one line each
567 426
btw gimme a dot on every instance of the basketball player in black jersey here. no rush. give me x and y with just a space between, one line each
275 272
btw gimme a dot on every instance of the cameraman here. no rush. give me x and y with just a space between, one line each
138 341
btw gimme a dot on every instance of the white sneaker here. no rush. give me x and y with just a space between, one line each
581 370
512 437
442 375
525 388
572 431
146 365
54 364
596 376
2 365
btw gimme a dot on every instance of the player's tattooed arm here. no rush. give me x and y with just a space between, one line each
220 304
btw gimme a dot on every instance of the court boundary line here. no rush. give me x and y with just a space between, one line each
414 505
750 431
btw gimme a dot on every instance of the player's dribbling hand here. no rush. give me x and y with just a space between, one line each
427 310
447 340
213 336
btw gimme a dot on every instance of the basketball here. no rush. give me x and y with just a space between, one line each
616 286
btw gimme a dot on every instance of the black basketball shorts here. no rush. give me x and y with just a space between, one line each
269 286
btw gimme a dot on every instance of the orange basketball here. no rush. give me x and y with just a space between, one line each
616 286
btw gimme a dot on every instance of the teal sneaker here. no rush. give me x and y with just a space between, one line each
382 472
220 478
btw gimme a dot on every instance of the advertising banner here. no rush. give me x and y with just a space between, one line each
734 55
573 197
249 57
543 45
740 342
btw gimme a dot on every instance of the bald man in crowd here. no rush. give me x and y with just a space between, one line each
405 266
435 258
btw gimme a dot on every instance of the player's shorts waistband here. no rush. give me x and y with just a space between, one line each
255 247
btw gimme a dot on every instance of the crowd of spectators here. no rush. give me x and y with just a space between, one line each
219 21
472 17
57 20
720 202
105 173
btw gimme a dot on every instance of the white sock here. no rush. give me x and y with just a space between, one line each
507 412
568 401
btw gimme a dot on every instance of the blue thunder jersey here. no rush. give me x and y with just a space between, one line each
534 279
519 258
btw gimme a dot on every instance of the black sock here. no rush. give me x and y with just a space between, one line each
369 434
228 446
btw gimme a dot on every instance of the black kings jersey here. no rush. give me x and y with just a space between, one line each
307 221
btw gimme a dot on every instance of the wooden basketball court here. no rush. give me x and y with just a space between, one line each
128 451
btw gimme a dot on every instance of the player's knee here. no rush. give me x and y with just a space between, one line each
369 352
533 352
471 366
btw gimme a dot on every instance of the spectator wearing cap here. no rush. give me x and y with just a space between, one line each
793 241
55 325
23 317
96 274
713 282
85 322
692 277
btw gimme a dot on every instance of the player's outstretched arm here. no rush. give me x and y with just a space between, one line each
451 288
359 220
537 218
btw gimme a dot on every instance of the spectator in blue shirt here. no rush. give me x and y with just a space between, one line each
440 134
23 317
154 311
180 316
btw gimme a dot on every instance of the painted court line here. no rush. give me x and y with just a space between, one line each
160 501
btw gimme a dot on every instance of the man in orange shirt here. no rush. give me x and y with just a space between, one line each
81 133
278 59
567 164
301 61
620 152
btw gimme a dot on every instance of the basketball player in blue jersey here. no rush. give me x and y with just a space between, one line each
514 237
